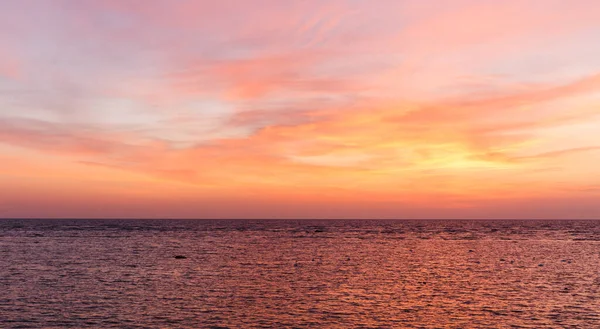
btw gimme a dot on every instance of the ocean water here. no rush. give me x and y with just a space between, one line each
299 274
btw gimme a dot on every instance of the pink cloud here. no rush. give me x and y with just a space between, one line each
9 66
472 105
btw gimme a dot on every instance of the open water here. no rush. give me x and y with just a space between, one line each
299 274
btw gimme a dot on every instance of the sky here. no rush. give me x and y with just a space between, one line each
300 109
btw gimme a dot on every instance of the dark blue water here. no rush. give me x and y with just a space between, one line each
299 274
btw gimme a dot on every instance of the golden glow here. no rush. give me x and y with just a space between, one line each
308 110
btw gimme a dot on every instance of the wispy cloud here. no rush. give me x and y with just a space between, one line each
392 105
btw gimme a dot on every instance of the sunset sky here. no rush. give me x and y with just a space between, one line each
300 109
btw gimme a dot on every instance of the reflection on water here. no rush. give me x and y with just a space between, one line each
299 274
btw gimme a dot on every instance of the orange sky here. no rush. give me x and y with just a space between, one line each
300 109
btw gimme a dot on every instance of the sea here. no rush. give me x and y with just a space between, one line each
299 274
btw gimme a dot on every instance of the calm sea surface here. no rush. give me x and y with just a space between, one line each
299 274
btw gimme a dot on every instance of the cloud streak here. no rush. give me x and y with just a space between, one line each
469 106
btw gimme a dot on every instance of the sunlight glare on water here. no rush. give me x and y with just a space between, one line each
299 274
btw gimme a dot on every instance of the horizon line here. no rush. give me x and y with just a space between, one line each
298 219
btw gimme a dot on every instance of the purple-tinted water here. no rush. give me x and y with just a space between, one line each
299 274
